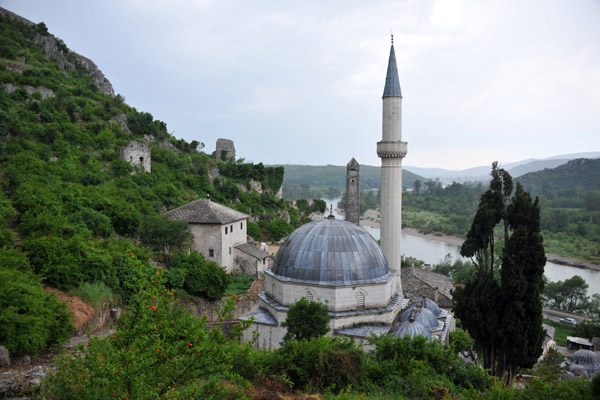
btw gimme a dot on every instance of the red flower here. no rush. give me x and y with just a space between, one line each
250 388
155 329
154 308
189 344
157 350
196 337
160 322
154 298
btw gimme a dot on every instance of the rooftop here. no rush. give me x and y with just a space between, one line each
204 211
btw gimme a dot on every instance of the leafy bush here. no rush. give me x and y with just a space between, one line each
254 231
306 319
203 278
31 319
239 284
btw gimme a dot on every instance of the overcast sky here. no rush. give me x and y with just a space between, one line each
301 81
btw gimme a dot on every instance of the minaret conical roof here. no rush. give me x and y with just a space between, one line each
392 82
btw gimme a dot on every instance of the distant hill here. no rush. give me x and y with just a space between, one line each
582 174
335 175
516 169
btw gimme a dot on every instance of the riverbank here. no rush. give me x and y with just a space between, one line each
371 219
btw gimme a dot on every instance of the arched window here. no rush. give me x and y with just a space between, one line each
360 300
309 295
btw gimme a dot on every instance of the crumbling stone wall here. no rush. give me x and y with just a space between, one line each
138 155
227 146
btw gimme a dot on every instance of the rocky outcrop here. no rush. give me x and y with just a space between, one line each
44 91
4 357
55 49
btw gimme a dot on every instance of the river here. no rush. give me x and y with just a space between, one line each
433 251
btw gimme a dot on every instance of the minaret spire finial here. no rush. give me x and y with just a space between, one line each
392 38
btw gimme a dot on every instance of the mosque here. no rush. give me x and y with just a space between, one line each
339 264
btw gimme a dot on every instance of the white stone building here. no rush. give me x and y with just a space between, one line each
338 264
219 233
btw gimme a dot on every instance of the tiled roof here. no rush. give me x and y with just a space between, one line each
204 211
424 284
254 251
261 316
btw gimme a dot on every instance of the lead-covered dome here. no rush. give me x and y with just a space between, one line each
331 252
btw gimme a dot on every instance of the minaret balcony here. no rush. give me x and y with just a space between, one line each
391 149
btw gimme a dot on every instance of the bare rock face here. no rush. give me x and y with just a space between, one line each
4 357
224 146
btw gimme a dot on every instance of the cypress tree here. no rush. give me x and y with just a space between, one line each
523 263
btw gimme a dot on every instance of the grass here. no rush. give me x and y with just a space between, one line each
562 331
240 284
97 294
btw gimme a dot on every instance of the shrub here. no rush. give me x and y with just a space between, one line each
305 320
31 319
203 278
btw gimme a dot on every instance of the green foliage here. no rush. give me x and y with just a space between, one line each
202 278
161 232
561 331
96 293
319 364
569 295
31 320
588 329
459 271
254 231
306 319
158 351
239 284
460 341
275 229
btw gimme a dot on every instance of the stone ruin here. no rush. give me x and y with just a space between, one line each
138 155
224 146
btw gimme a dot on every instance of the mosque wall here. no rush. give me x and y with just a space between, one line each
338 298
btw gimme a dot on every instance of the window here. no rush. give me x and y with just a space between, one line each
241 225
230 250
231 229
226 230
211 253
309 295
360 300
264 261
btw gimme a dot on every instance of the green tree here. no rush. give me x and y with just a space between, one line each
306 319
494 312
161 232
568 295
522 283
478 303
202 278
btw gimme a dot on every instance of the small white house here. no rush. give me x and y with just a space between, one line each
219 233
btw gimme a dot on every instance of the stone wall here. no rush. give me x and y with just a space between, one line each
138 155
227 146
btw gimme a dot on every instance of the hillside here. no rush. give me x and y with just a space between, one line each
72 209
581 175
298 179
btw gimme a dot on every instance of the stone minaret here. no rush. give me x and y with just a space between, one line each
391 150
353 192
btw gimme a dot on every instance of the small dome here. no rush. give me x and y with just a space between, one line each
585 358
421 315
331 252
428 304
409 328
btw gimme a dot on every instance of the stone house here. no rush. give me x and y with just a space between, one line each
220 234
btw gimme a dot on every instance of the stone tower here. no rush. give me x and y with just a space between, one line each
391 149
138 155
353 192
